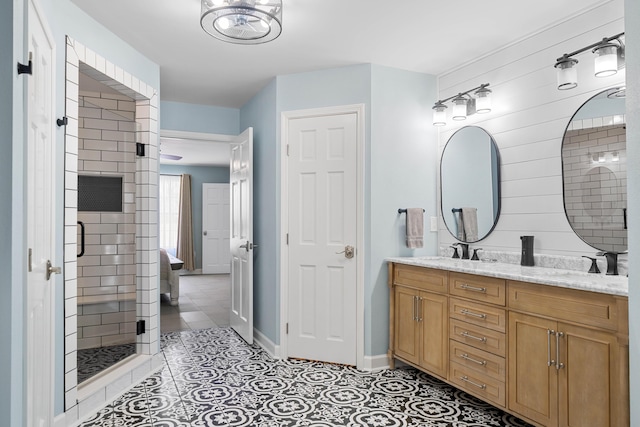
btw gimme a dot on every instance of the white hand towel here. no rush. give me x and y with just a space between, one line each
415 228
470 224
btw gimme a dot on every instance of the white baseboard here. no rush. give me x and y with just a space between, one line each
375 363
268 345
60 420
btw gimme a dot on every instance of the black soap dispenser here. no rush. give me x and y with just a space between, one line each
527 251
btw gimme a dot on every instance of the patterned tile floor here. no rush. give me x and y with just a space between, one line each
92 361
213 378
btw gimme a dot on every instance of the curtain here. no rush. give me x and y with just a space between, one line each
185 224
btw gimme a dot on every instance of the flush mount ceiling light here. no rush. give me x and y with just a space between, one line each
609 59
464 105
242 21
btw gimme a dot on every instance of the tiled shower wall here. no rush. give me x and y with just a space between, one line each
82 401
107 271
595 183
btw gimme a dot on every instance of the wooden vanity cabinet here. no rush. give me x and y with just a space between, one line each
555 357
419 318
568 356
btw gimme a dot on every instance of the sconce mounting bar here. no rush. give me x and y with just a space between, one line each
482 86
591 46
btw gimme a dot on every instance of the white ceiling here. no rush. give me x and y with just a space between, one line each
195 149
430 37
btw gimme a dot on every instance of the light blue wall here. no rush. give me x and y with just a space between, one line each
632 40
260 113
199 176
399 103
199 118
402 173
12 50
324 88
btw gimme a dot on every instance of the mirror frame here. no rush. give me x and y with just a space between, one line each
498 179
566 129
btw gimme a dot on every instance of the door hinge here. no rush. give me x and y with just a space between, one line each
140 327
287 329
287 238
287 149
26 69
30 266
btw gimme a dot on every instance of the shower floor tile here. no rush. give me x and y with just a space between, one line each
92 361
212 377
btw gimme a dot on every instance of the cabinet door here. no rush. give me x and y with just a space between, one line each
533 384
586 384
406 343
434 333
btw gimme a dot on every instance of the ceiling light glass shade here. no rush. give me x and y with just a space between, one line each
567 73
483 100
439 114
606 62
242 21
459 108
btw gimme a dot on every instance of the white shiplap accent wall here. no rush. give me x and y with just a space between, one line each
528 121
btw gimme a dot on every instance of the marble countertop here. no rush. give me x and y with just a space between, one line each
614 285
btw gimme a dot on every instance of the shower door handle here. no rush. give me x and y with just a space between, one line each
81 224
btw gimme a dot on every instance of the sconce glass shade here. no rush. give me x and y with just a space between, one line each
606 62
439 114
459 108
242 21
567 73
483 100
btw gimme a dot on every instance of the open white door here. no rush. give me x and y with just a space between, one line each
215 228
241 180
40 224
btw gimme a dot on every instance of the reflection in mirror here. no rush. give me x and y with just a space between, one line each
594 171
470 184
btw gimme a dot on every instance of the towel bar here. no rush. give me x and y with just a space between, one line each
401 211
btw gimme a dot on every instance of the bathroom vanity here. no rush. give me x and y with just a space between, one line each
547 345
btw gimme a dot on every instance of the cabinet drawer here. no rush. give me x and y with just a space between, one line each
587 308
478 288
478 337
420 277
478 384
478 360
479 314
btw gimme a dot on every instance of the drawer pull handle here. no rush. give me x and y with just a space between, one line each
473 288
467 380
468 335
466 312
465 356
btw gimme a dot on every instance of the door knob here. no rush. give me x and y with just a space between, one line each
248 246
348 252
204 232
51 270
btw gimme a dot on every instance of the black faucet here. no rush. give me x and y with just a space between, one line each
455 252
594 265
465 249
612 262
474 257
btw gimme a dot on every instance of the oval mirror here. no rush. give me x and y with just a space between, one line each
470 184
594 171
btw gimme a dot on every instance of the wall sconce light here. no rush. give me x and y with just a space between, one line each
464 105
609 59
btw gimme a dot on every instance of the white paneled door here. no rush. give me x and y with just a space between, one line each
322 212
241 181
40 224
216 253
